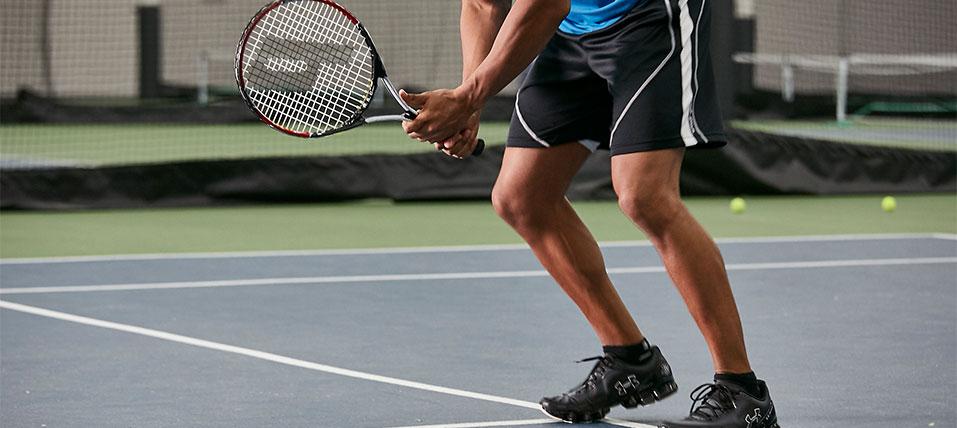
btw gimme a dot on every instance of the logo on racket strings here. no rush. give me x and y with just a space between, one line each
295 65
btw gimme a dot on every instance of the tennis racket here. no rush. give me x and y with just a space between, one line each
309 68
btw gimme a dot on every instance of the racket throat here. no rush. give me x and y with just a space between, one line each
410 112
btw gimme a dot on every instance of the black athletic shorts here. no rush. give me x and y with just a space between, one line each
643 83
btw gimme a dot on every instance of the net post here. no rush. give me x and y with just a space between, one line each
46 47
843 69
787 79
148 21
202 77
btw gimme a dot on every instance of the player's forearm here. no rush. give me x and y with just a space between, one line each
527 28
480 22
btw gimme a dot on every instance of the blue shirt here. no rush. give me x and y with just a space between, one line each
586 16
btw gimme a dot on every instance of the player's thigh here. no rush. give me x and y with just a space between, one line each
537 174
643 177
556 113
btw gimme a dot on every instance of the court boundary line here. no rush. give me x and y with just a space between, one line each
446 249
512 423
344 279
522 422
275 358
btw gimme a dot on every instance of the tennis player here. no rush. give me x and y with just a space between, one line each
633 77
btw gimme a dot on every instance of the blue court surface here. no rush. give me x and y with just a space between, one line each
849 331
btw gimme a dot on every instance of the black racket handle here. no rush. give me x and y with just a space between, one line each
479 148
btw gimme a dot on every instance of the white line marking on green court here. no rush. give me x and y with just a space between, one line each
186 340
275 358
438 249
486 424
454 276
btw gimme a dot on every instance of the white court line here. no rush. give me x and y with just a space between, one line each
948 236
186 340
441 249
455 276
487 424
610 421
275 358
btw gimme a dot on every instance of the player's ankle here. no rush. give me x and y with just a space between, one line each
632 354
747 381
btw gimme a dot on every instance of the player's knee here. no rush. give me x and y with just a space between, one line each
650 209
515 207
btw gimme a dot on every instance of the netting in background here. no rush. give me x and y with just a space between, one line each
84 59
88 53
882 72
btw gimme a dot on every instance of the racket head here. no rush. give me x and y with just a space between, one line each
307 68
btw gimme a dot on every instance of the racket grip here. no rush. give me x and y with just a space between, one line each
479 148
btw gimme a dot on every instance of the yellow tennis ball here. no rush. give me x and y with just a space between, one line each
889 204
738 205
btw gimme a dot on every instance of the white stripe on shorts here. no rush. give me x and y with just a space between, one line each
687 70
653 74
697 61
521 119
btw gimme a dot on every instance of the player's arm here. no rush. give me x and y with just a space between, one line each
480 22
526 29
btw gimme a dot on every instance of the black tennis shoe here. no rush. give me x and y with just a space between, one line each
612 382
726 405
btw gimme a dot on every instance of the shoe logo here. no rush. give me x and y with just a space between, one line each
750 419
631 383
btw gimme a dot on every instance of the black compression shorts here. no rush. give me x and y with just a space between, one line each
643 83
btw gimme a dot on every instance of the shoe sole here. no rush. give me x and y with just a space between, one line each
638 398
774 425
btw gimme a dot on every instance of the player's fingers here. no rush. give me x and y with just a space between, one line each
413 128
414 135
413 100
452 141
438 134
449 153
459 144
469 138
462 149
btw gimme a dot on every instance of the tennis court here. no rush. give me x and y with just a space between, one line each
447 336
167 260
216 324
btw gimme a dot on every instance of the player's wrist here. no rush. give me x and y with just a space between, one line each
471 92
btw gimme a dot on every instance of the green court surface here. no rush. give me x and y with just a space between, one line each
369 224
97 145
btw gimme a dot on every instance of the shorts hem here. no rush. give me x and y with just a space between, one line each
714 141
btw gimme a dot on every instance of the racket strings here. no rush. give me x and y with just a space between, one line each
298 30
308 68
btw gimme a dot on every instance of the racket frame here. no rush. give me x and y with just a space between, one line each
378 74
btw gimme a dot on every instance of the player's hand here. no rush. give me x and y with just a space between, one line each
462 145
443 114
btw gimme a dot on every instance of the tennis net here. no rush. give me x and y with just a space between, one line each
858 71
100 82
